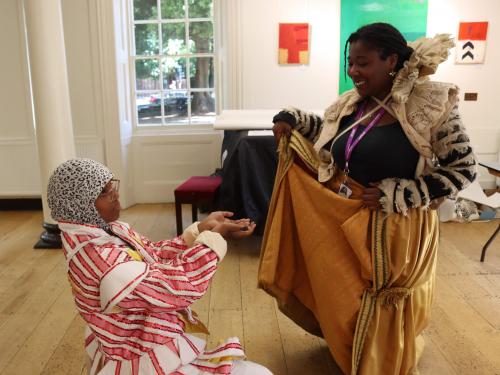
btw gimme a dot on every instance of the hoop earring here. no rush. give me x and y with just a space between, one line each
392 74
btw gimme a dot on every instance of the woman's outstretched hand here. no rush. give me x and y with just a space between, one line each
213 219
235 229
371 196
281 129
220 222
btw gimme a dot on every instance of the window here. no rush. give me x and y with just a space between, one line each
173 58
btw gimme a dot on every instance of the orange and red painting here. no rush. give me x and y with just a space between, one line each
294 43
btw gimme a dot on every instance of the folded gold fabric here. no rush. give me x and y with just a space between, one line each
361 279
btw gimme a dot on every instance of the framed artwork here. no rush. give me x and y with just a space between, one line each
408 16
471 42
293 43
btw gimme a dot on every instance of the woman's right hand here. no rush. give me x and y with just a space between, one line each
213 219
235 229
280 129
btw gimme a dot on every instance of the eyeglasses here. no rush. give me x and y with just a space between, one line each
112 193
115 184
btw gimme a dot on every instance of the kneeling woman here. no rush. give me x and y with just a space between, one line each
135 294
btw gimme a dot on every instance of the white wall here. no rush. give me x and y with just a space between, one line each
83 79
18 155
267 85
481 116
161 163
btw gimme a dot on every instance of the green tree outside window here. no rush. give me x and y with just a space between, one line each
179 27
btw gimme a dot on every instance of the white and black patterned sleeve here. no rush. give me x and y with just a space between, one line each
455 169
306 123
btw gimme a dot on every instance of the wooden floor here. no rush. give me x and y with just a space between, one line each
40 332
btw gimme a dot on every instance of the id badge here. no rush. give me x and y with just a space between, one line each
344 191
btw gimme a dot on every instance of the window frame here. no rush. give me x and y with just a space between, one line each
132 57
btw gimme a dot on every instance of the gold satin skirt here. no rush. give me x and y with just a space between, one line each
359 278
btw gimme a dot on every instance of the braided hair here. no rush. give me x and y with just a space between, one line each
383 37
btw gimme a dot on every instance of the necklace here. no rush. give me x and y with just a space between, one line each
370 116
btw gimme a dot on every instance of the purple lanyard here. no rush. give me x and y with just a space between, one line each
351 141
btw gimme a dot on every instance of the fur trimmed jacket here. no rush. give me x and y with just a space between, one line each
428 114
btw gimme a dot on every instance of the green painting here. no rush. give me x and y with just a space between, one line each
408 16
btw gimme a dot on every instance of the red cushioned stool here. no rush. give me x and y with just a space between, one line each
195 190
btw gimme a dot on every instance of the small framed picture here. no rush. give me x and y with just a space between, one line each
293 43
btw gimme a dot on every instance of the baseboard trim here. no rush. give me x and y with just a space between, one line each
21 204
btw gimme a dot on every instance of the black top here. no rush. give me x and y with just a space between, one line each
384 152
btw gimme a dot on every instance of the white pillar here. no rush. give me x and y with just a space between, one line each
50 91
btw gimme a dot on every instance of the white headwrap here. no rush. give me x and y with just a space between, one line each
73 189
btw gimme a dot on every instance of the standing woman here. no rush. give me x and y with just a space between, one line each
351 239
134 294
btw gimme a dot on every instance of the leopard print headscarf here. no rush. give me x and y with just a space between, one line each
73 188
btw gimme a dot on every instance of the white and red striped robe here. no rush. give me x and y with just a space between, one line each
130 291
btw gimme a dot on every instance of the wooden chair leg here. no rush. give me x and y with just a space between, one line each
178 217
194 212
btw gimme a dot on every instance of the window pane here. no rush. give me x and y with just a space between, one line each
201 9
201 71
201 37
146 40
148 108
147 73
172 9
171 89
176 107
174 38
203 108
174 73
145 10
